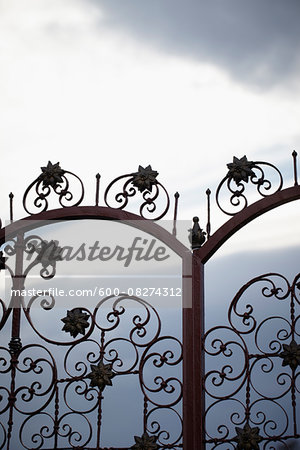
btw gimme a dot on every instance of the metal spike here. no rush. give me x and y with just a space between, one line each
98 176
295 154
208 226
11 214
176 195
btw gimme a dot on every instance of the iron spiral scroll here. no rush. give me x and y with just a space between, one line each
143 181
242 171
257 381
53 179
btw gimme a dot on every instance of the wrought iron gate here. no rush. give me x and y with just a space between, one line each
199 388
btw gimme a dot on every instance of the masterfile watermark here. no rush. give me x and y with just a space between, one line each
99 291
84 262
140 250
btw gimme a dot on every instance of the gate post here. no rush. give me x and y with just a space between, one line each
198 354
193 356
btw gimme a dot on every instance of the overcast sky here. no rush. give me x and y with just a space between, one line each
106 85
183 85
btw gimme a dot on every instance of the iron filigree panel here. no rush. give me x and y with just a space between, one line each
252 376
68 375
57 399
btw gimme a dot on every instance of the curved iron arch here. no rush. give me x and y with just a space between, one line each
244 217
97 213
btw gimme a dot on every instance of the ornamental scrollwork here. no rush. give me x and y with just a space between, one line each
252 367
155 198
241 172
53 179
120 339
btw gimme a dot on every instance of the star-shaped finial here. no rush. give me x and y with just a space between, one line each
240 169
52 175
145 178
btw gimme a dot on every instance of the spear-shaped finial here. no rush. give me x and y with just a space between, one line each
176 195
208 226
98 176
294 154
11 211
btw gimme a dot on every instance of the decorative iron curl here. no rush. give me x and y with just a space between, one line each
36 430
53 177
47 303
4 313
70 431
265 412
242 171
38 361
281 382
160 355
146 323
296 288
79 397
247 321
79 369
144 180
4 436
231 350
236 413
169 436
5 363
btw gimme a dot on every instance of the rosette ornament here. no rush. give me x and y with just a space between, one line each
145 442
247 438
264 176
156 199
53 179
291 355
101 375
75 322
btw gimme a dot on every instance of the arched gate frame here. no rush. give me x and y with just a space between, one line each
248 429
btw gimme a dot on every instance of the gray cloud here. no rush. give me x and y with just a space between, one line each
256 41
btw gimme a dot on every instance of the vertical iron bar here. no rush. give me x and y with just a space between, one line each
15 342
17 286
99 420
187 339
193 356
56 413
12 399
145 411
176 195
11 213
208 226
295 154
98 176
247 409
199 362
293 378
